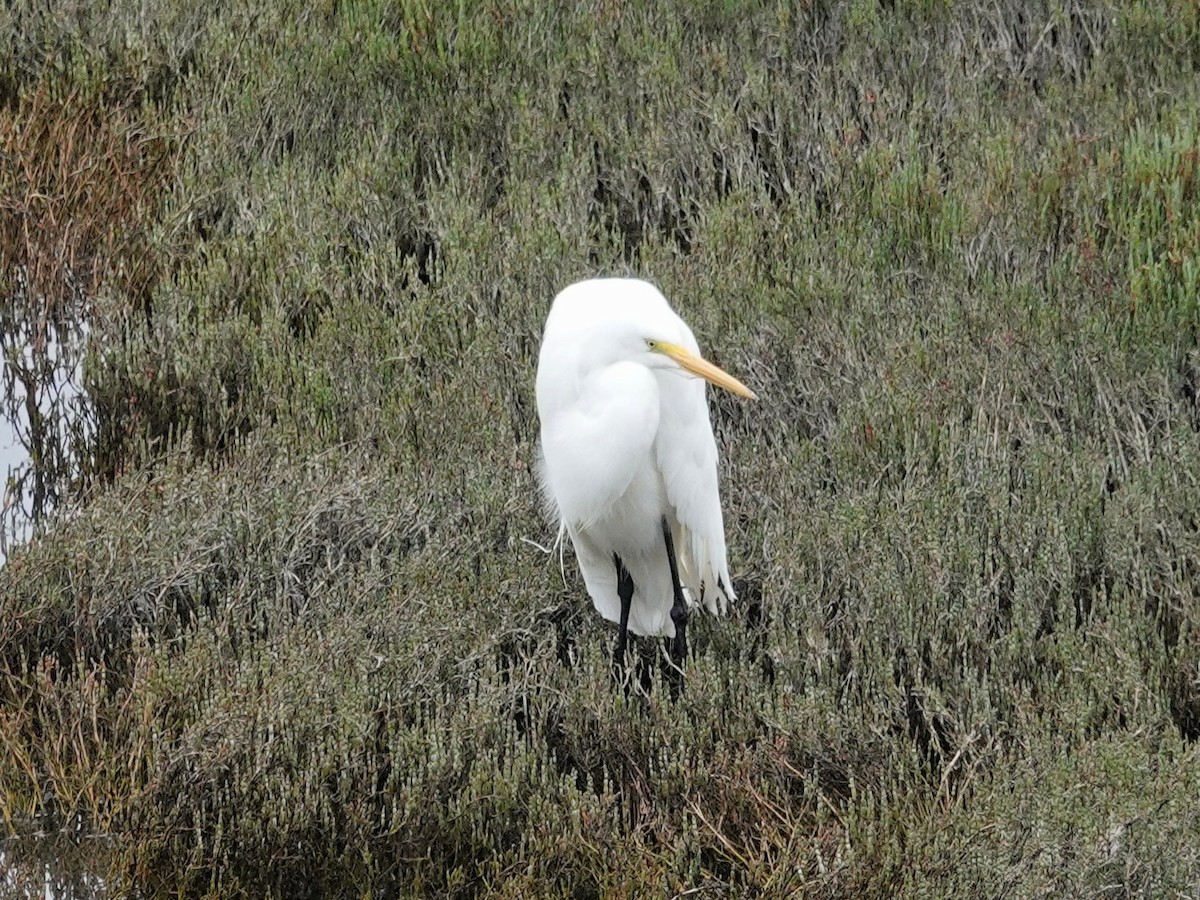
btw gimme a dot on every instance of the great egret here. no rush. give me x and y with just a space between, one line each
628 460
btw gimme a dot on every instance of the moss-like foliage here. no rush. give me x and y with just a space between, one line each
290 632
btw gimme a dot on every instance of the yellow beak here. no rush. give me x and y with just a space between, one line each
706 370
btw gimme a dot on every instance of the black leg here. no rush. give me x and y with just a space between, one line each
625 592
679 612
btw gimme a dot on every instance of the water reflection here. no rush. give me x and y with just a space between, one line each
40 418
47 868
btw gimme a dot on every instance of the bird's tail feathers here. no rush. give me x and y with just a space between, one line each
705 576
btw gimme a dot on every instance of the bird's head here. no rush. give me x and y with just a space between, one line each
667 355
602 321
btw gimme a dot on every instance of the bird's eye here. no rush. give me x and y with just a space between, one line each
651 345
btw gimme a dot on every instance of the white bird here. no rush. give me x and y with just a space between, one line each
628 460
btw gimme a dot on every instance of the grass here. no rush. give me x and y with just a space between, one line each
285 632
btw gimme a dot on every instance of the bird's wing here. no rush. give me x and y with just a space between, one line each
596 439
686 452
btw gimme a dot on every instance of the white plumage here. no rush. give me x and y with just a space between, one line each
627 441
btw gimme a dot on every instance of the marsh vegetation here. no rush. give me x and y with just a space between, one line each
282 631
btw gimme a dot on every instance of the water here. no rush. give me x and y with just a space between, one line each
13 459
48 868
59 401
